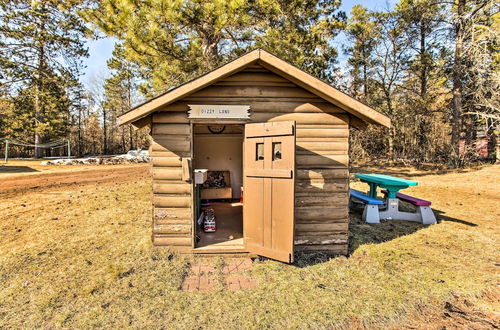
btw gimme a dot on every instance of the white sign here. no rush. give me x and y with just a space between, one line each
219 111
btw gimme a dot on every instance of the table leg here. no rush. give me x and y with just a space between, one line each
373 189
392 212
392 193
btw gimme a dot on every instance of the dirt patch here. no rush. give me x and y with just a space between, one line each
459 313
15 184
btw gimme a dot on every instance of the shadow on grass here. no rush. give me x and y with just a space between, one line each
440 215
361 233
16 169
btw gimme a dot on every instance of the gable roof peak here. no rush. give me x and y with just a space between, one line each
273 64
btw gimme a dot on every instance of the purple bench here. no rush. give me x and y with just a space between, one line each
410 199
424 211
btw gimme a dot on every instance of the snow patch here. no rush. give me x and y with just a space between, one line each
133 156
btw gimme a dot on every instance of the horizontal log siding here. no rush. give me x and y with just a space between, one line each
321 197
321 190
172 197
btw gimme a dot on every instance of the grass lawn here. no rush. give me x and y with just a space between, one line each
77 254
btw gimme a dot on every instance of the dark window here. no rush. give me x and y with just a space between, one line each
259 151
276 150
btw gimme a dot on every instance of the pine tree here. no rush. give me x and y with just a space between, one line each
390 64
300 31
474 68
120 95
424 22
41 44
361 31
175 40
426 91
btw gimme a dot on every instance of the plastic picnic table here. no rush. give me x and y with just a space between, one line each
390 211
391 183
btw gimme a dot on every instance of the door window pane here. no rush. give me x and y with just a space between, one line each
276 150
259 155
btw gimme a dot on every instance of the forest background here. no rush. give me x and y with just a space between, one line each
432 66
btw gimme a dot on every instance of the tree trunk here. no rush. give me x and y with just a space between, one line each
39 83
129 106
456 113
495 142
391 143
79 148
123 140
497 150
131 135
38 89
37 120
105 132
365 78
211 53
392 131
423 62
210 42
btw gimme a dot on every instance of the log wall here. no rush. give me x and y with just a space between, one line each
172 195
322 158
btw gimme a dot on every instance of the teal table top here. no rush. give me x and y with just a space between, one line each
385 180
391 183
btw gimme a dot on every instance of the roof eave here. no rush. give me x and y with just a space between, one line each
274 64
190 87
323 90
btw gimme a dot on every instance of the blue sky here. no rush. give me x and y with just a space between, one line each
100 50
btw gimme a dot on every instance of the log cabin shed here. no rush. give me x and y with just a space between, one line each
277 135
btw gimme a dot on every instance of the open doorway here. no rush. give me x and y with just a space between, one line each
219 149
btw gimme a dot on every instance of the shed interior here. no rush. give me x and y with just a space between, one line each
219 149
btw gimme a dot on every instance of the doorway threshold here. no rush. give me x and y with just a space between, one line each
232 246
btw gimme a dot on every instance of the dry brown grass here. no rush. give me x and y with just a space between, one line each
78 255
33 167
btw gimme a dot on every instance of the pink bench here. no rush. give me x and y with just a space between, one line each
410 199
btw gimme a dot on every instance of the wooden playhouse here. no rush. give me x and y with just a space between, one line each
281 134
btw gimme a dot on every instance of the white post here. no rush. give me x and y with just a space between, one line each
69 150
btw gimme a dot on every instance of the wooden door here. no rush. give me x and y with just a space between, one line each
269 188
